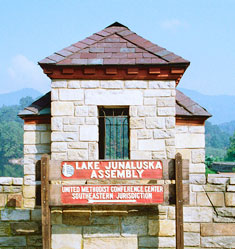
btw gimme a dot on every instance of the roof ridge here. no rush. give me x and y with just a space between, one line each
142 46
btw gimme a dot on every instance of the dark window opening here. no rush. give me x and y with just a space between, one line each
113 133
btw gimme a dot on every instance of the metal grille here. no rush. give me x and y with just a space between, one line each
113 133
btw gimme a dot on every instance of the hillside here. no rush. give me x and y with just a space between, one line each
13 98
220 106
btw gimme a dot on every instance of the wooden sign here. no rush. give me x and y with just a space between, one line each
112 194
147 169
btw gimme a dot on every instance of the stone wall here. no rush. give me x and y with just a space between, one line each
75 117
20 227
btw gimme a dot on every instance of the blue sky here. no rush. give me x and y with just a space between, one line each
201 31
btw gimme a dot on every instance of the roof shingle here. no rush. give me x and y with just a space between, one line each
118 42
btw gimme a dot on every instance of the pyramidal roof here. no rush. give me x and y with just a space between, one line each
114 45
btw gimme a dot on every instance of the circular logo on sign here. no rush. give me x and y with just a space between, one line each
67 170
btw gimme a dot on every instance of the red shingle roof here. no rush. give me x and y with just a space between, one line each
115 45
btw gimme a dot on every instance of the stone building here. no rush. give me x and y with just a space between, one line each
119 75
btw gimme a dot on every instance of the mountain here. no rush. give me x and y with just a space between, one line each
13 98
222 107
228 127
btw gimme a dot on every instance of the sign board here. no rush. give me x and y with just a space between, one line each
132 169
112 194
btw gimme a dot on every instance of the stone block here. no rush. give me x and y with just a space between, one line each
136 84
166 102
166 111
170 122
81 111
29 169
186 153
205 199
25 228
163 133
181 129
62 109
198 214
76 121
29 203
189 141
137 123
150 101
218 242
105 220
76 154
37 149
71 94
214 188
171 213
232 180
64 136
16 189
91 120
230 199
77 145
17 181
13 241
4 229
59 83
14 200
144 134
230 188
76 217
93 151
198 156
64 236
12 214
32 137
141 155
71 128
59 147
90 83
191 239
113 97
197 129
218 229
2 200
33 127
159 155
170 142
111 243
170 152
5 180
54 94
197 168
101 231
157 242
146 111
157 93
59 156
161 228
133 111
134 225
34 240
92 111
151 145
36 214
155 84
89 133
57 123
216 179
29 180
45 137
192 227
74 84
197 178
112 84
29 191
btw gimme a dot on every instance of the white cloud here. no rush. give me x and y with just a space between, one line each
172 24
23 73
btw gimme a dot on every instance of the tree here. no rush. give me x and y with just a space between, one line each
230 156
